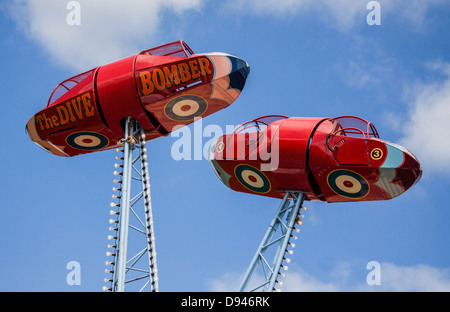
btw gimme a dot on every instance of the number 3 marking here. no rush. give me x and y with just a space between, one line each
376 154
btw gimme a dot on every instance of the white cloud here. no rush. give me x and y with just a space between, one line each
415 278
425 129
112 29
349 277
228 282
413 12
109 30
393 278
301 281
343 14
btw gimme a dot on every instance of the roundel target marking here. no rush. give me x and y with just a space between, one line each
87 141
185 107
219 147
348 184
252 179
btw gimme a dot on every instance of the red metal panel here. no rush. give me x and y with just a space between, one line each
162 88
307 162
349 150
181 89
118 97
377 152
72 125
292 142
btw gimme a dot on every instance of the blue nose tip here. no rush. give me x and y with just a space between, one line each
239 72
400 171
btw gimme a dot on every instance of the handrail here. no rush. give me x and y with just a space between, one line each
257 122
370 129
350 128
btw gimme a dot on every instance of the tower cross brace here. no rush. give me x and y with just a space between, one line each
140 268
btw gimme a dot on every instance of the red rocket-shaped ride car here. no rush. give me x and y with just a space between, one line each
161 88
335 160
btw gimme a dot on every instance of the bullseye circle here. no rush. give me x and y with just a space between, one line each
252 179
348 184
220 147
87 141
185 107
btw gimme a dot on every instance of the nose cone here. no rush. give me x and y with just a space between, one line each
30 129
400 170
239 72
410 171
216 148
230 75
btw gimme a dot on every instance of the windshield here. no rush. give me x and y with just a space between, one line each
258 124
177 48
66 85
354 127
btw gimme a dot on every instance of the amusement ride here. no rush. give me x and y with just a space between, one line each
124 104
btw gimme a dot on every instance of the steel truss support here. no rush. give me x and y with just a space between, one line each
141 240
269 257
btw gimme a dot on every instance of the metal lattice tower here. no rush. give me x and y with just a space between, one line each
139 269
269 257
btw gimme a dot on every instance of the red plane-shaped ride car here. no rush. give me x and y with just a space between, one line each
161 88
338 159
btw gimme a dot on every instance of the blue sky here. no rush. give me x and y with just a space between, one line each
307 58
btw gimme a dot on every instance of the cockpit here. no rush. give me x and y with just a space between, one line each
348 140
354 127
67 85
258 124
175 49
